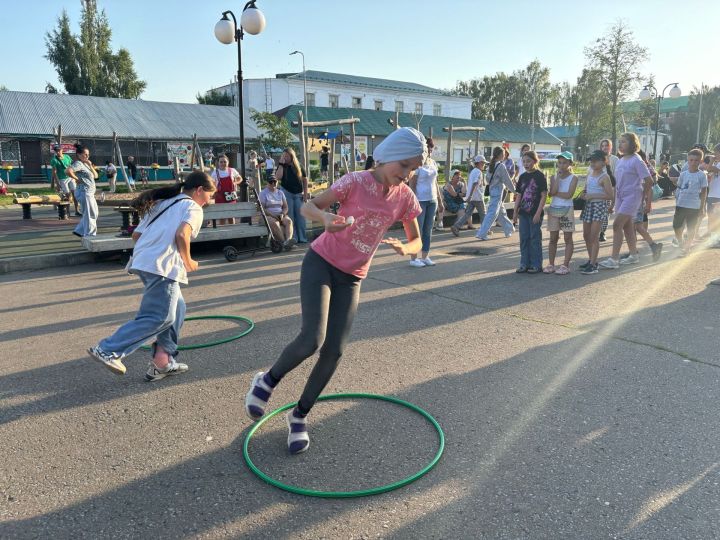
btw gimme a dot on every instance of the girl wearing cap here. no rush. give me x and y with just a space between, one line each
424 184
334 266
598 193
561 213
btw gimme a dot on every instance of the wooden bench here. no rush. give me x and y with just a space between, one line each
213 212
26 201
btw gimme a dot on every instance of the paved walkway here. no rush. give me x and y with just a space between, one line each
574 406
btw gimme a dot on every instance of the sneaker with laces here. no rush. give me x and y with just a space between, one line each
298 439
110 360
417 263
427 261
630 259
590 269
610 264
584 265
173 368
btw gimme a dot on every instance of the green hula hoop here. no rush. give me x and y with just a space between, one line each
347 494
219 341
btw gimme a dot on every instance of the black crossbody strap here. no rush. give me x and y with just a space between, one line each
166 209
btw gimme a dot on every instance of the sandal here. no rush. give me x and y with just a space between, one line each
562 270
549 269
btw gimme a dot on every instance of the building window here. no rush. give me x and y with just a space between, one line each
399 106
310 99
437 109
357 103
334 101
418 108
378 105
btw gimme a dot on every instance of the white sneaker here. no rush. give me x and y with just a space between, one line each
110 360
427 261
610 264
630 259
173 368
417 263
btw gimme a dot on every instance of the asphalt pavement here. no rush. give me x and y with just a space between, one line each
573 406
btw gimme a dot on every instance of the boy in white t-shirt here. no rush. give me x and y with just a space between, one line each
692 187
475 196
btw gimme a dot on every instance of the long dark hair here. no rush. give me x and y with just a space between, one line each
498 154
144 202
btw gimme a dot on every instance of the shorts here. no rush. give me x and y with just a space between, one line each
561 218
641 216
67 185
596 210
689 216
711 205
628 203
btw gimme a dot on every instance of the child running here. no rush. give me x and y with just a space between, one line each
161 259
529 204
335 265
690 205
598 192
561 213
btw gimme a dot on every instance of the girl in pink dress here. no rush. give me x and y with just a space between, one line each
334 266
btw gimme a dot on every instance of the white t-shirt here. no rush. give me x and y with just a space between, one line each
272 201
563 186
689 187
426 188
155 251
217 174
714 183
476 177
269 164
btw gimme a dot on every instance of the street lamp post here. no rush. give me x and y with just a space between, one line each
645 93
304 82
252 21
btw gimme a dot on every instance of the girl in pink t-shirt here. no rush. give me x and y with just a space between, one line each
332 270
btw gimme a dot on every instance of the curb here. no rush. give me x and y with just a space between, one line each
40 262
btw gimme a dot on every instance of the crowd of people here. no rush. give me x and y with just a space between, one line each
402 186
622 185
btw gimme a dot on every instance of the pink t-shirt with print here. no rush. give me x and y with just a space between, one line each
361 196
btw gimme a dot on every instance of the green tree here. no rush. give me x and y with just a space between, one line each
593 110
214 97
86 64
3 88
684 129
616 57
277 130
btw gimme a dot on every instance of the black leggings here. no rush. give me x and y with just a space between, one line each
329 299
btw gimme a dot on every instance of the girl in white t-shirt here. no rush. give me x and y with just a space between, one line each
171 217
561 213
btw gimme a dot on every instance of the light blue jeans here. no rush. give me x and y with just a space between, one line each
161 315
426 220
88 223
496 212
295 202
530 241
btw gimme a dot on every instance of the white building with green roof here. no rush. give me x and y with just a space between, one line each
337 90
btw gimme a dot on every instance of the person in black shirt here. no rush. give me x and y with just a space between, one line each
324 161
294 185
132 171
532 191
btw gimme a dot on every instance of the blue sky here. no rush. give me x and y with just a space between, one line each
435 44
